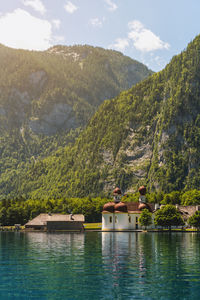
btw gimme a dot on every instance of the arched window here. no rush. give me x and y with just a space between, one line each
110 219
115 219
129 219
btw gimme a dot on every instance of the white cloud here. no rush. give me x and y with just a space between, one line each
36 5
144 39
59 39
56 23
20 29
153 61
70 7
120 44
111 5
160 61
96 22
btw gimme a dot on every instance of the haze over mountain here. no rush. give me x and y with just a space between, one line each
47 97
60 88
149 134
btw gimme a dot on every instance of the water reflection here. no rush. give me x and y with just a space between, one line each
55 241
104 265
153 266
39 265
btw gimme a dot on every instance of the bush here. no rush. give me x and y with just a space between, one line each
168 216
195 220
145 218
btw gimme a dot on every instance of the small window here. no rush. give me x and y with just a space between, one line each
129 219
110 219
115 219
136 219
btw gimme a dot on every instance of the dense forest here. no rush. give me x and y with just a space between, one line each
20 210
148 135
59 89
47 99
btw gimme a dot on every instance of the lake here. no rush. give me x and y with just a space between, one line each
99 265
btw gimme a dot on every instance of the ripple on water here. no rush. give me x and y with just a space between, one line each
99 266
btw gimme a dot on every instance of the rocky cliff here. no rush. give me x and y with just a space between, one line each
48 97
59 89
148 135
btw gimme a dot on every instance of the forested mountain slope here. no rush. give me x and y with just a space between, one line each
59 89
149 134
46 97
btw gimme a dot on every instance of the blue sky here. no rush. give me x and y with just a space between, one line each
150 31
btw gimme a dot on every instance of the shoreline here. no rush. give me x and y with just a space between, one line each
99 230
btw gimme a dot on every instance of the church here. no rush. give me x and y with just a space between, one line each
119 215
122 216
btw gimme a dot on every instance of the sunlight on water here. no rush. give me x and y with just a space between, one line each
99 266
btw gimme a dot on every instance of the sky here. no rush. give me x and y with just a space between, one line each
149 31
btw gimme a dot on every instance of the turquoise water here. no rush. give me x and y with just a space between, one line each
99 265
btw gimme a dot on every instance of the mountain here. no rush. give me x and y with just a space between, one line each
149 134
59 89
48 97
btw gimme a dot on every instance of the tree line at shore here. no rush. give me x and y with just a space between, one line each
20 210
168 216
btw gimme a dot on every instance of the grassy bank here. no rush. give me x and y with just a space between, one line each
92 226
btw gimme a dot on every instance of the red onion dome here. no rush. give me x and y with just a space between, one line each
143 206
142 190
109 207
121 207
117 191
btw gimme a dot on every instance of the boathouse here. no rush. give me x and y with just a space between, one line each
56 222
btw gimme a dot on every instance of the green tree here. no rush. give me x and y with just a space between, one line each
171 198
195 220
191 197
3 216
168 216
145 218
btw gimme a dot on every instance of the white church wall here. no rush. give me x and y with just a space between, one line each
107 221
121 221
134 221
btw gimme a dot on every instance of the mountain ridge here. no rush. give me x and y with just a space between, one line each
37 81
46 100
147 135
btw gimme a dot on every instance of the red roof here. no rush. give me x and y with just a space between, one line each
133 207
121 207
109 207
